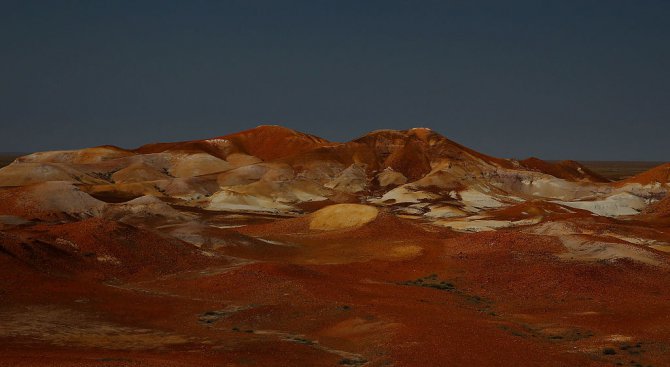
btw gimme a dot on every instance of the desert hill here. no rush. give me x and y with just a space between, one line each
273 247
276 170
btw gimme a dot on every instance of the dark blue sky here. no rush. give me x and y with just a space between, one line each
556 79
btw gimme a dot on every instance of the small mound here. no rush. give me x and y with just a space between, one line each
81 156
198 164
342 216
142 208
48 201
536 209
659 174
21 174
659 209
101 248
138 172
389 177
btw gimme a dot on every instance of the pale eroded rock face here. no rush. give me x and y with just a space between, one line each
272 169
389 177
352 180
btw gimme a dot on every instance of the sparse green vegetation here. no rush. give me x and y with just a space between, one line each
352 362
430 281
107 176
211 317
301 340
433 281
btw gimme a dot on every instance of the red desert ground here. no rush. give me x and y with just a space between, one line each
271 247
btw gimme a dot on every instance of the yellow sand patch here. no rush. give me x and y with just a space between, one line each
664 248
405 252
342 216
617 338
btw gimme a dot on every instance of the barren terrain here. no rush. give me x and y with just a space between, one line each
270 247
619 170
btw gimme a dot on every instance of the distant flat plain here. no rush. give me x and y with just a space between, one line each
619 170
613 170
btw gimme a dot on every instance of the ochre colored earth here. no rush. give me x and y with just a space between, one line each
271 247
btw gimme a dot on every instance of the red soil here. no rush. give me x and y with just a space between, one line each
660 174
508 299
269 291
537 208
264 142
660 209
